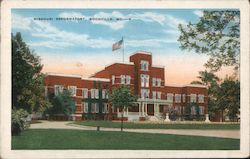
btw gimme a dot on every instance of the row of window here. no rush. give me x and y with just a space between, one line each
94 92
193 110
193 98
125 79
94 108
170 96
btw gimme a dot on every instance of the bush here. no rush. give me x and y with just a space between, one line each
19 121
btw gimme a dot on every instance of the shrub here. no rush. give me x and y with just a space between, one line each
19 121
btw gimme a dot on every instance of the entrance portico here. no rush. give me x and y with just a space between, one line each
151 107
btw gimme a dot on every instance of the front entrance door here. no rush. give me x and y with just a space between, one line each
150 109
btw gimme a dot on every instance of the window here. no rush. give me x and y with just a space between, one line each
170 97
159 95
144 80
128 79
201 110
177 98
113 79
72 90
201 98
93 105
144 65
193 110
85 93
154 94
158 82
103 94
178 109
85 107
183 97
123 78
94 93
144 93
193 98
58 89
154 81
105 108
94 108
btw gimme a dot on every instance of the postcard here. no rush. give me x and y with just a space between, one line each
124 79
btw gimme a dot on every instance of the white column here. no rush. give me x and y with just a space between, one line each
118 113
146 108
139 107
142 109
127 111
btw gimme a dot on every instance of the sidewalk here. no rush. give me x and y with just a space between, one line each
234 134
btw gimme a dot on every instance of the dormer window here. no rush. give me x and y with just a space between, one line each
144 65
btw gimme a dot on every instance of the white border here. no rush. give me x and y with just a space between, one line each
6 151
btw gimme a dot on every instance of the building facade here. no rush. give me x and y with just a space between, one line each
147 81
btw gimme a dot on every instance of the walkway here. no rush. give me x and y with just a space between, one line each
235 134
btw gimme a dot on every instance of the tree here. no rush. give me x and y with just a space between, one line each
229 97
27 79
63 103
122 98
217 34
206 78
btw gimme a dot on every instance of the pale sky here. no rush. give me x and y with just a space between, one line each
84 46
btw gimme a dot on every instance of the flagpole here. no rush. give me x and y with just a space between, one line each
123 49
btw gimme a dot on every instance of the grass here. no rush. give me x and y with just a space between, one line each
86 139
131 125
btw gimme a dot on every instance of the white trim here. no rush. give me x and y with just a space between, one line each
96 79
63 75
195 85
141 52
187 85
124 63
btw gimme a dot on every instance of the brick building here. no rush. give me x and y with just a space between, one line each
146 80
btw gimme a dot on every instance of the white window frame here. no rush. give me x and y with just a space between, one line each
193 98
158 95
85 107
177 98
170 96
158 82
96 93
72 90
128 79
144 65
153 81
103 93
105 108
96 108
113 79
85 92
145 93
201 110
154 94
92 93
59 90
200 98
183 97
123 79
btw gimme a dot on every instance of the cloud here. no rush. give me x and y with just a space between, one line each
199 13
162 19
19 22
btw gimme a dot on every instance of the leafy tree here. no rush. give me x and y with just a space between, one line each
27 79
63 103
229 97
217 34
210 80
122 98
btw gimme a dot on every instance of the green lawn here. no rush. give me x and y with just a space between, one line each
84 139
131 125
